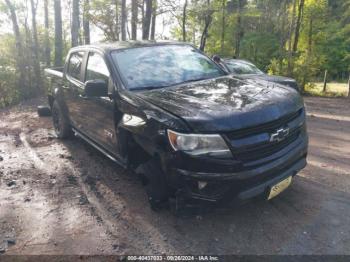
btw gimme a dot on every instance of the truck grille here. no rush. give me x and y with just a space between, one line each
257 151
265 128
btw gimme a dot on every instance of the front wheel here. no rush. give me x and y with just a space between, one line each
60 122
156 187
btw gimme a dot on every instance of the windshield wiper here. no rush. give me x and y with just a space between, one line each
148 87
191 80
194 80
163 86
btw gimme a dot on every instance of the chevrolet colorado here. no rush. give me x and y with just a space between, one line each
192 131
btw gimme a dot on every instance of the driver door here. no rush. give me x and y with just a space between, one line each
100 110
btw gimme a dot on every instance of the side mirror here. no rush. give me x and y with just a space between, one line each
96 88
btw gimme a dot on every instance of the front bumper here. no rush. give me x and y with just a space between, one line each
239 185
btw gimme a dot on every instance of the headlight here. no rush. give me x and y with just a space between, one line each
198 144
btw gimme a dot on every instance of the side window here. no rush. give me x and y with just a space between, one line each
96 68
74 66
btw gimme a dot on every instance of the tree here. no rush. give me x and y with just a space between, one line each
86 22
36 47
154 18
223 25
207 21
124 18
291 34
239 29
184 20
283 32
134 18
75 23
146 23
58 33
19 47
47 37
298 25
117 24
106 18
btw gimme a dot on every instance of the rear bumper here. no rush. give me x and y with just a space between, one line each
241 185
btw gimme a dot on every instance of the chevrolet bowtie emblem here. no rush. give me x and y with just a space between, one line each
280 135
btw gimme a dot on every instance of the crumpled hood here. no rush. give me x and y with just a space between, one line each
226 103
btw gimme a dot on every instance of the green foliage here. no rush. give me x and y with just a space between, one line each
8 91
324 40
266 33
260 48
102 14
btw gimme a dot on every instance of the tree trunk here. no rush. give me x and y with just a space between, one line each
239 29
154 18
310 40
143 12
37 70
86 22
283 37
291 31
147 20
298 25
117 25
127 28
28 56
208 19
47 39
306 71
134 18
123 25
58 33
19 48
223 25
75 23
184 18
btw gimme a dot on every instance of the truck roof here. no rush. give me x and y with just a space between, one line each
126 44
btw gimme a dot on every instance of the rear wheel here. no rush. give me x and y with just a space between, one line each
156 187
60 122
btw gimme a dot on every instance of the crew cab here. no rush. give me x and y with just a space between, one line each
188 128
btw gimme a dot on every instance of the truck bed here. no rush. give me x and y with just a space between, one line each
53 79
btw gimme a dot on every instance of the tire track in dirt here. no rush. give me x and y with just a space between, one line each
144 237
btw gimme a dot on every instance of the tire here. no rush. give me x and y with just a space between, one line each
156 187
43 111
60 122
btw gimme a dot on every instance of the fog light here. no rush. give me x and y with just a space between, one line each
202 185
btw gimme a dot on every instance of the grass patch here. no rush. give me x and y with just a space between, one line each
332 90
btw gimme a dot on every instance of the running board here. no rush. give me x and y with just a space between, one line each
103 151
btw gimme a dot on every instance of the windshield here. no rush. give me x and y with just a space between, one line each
242 68
161 66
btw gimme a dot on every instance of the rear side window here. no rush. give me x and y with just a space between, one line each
96 68
74 66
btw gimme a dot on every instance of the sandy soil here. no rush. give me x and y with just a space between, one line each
66 198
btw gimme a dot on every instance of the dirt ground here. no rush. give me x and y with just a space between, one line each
66 198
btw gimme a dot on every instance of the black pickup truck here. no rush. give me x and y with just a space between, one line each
168 112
